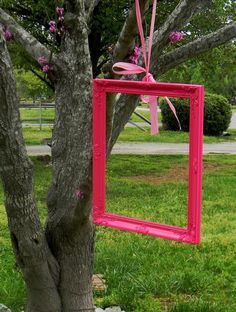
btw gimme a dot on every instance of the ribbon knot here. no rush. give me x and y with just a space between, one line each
122 68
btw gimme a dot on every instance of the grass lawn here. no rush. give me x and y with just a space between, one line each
34 113
136 135
146 274
49 113
145 114
35 136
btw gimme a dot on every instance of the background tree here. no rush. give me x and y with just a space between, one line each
215 69
57 262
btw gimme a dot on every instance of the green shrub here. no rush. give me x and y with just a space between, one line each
169 121
217 114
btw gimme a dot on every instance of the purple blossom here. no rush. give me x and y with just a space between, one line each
61 18
52 29
42 60
80 195
46 68
176 36
62 29
60 10
52 23
8 35
134 57
52 26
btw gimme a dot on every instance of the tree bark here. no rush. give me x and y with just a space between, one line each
70 231
39 268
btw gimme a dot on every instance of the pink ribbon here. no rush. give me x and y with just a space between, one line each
122 68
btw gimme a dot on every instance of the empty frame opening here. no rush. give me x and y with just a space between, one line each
148 187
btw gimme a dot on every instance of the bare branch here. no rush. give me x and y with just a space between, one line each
194 48
176 20
43 79
28 42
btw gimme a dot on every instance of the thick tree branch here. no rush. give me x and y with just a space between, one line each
28 42
183 13
194 48
126 37
121 50
179 17
175 21
128 33
90 6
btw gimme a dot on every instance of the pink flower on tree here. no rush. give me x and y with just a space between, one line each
176 36
46 68
62 29
8 35
42 60
80 195
60 10
52 26
135 55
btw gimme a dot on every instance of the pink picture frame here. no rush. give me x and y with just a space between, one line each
190 233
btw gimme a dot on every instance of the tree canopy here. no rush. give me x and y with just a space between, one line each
108 19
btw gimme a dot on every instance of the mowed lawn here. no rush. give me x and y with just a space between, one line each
147 274
35 136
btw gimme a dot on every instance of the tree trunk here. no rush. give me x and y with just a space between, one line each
70 232
28 240
58 267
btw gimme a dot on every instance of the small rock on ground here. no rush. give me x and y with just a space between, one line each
112 309
3 308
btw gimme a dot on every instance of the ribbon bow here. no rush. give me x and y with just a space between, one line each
122 68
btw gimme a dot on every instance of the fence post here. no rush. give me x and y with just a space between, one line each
40 105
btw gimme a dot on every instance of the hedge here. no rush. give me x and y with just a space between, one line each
217 114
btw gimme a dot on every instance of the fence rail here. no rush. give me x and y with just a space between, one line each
36 105
37 121
41 121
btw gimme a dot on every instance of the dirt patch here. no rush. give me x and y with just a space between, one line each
99 283
177 173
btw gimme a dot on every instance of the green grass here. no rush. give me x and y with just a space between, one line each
35 136
136 135
146 274
145 114
34 113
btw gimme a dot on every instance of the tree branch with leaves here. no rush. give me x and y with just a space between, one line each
194 48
